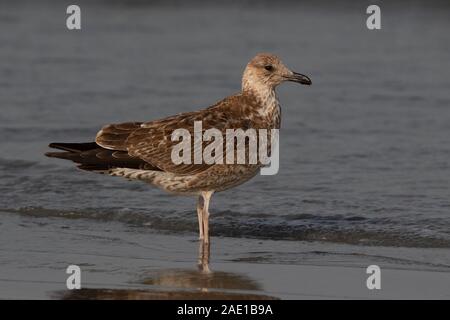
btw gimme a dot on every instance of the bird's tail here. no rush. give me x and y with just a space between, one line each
78 153
92 157
73 147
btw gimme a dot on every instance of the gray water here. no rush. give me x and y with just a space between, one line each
364 151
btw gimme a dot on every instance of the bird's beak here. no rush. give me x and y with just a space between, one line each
299 78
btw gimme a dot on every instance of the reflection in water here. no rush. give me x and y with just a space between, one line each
192 279
124 294
181 283
203 278
203 257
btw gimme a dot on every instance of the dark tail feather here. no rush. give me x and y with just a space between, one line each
74 147
73 150
61 155
92 157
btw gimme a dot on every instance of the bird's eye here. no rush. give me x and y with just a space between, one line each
268 67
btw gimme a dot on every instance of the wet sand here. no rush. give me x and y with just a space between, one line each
117 262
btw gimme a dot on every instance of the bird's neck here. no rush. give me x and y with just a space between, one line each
266 97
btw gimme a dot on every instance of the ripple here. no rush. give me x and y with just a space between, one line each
355 230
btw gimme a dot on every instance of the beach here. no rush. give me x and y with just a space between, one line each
364 151
118 262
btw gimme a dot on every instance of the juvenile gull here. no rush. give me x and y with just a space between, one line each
142 150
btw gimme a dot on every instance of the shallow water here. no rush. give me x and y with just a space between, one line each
364 151
119 261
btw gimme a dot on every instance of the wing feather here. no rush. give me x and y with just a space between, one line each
152 142
114 136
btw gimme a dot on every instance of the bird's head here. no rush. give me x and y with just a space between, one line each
266 71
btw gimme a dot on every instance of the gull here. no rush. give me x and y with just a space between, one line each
142 150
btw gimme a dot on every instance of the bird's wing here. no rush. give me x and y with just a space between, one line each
114 136
152 141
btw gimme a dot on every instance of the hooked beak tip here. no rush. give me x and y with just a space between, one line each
300 78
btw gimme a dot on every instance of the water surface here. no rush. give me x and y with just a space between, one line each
364 151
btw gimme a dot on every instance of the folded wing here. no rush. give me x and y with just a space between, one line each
152 141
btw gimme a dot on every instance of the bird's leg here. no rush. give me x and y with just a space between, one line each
206 197
200 216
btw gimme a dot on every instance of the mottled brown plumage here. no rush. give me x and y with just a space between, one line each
142 150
